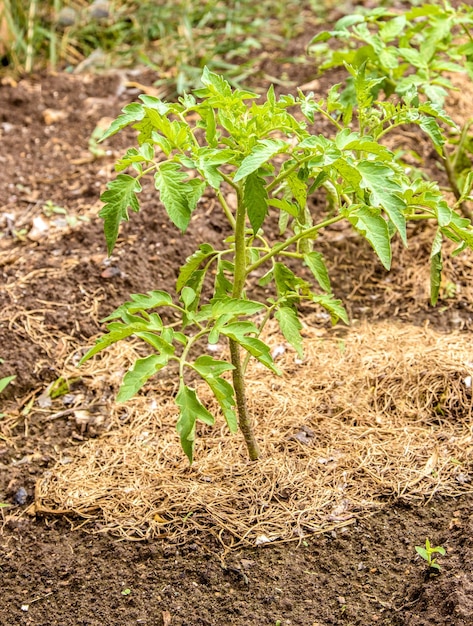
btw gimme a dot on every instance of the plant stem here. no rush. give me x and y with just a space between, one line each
454 186
244 420
294 239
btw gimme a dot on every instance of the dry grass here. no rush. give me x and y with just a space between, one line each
383 413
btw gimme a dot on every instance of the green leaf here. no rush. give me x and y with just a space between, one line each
392 28
188 296
257 348
374 228
178 193
235 307
158 342
286 281
378 178
290 327
120 331
332 306
217 82
140 372
207 162
211 369
207 366
119 197
131 113
141 302
315 262
285 206
150 300
260 154
423 553
192 263
430 126
298 189
190 410
223 392
5 381
255 198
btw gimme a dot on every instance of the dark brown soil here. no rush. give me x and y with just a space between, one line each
55 287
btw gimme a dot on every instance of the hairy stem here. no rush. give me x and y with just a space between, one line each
449 168
244 419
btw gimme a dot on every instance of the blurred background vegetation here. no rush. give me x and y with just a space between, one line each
176 38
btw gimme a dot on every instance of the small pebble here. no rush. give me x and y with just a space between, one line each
21 496
66 17
99 10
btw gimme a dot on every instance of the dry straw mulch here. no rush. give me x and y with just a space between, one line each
382 413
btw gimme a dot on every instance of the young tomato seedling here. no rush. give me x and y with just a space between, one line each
218 140
426 553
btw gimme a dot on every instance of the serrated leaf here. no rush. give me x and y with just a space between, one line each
159 342
298 189
119 331
255 198
315 262
118 198
374 228
192 263
285 206
378 178
223 392
150 300
211 369
430 126
190 410
217 82
235 307
286 281
207 366
138 375
290 327
332 306
260 154
178 193
392 28
133 112
207 162
238 331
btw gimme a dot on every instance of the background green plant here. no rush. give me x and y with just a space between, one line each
409 53
175 38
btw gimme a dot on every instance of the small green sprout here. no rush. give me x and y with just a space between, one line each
427 552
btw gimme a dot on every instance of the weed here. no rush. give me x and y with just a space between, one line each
4 382
427 552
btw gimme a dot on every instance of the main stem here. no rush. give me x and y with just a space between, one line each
244 419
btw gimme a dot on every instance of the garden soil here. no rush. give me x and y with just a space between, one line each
66 561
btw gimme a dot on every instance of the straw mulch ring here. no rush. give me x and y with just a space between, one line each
384 413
